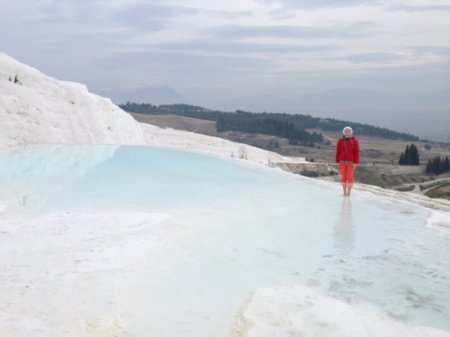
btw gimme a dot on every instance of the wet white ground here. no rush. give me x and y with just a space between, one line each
129 241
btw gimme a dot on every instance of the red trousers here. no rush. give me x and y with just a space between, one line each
346 171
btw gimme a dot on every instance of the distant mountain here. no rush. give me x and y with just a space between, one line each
156 94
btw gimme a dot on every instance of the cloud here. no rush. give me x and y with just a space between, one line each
377 58
356 29
435 49
310 4
419 8
223 46
184 61
151 16
66 11
441 51
96 40
95 24
99 14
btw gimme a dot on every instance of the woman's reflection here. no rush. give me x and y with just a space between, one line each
343 231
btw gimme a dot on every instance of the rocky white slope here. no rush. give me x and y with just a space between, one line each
42 110
303 311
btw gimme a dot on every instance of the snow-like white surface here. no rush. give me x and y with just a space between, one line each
61 272
439 220
190 141
303 311
43 110
161 242
407 197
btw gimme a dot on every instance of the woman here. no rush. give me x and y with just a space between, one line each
347 156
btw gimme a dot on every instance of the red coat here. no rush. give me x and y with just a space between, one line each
347 149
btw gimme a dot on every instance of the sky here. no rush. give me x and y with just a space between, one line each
383 62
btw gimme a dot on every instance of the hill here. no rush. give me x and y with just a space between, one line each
294 127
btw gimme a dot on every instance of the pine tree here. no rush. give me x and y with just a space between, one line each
407 155
414 155
447 165
220 124
436 165
410 156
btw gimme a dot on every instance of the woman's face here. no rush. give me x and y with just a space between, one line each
348 133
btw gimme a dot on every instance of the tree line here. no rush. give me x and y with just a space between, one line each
259 124
267 120
438 165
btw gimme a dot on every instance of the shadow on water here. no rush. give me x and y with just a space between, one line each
343 231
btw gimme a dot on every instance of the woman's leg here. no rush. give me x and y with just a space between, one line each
343 173
350 172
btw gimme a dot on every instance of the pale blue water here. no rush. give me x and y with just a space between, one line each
251 227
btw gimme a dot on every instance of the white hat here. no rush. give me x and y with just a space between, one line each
347 128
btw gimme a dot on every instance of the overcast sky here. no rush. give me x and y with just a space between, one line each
256 54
